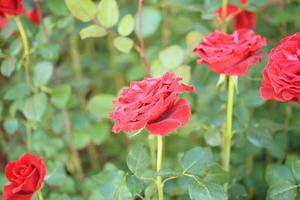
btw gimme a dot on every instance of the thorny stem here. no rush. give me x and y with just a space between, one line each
26 49
74 152
141 37
159 183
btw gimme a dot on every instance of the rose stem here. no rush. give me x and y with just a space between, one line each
26 49
27 74
227 136
228 132
141 38
40 194
160 185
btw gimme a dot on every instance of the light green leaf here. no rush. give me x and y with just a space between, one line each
184 72
10 125
35 107
200 190
193 38
81 139
60 96
92 31
100 105
17 91
138 159
42 73
126 25
84 10
8 66
123 44
171 57
284 190
108 13
100 133
151 21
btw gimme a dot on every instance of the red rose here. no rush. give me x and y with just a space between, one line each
281 76
242 18
231 54
33 15
245 19
11 7
25 177
152 103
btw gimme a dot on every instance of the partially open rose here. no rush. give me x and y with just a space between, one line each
11 7
152 103
25 177
231 54
281 76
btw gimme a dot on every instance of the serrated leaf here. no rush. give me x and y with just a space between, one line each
123 44
100 105
138 160
60 96
8 66
35 107
93 31
84 10
201 190
108 13
126 25
284 190
17 91
171 57
42 73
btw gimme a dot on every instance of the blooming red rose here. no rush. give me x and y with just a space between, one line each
281 76
231 54
33 15
11 7
25 177
152 103
242 18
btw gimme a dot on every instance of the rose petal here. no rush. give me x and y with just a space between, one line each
177 116
8 194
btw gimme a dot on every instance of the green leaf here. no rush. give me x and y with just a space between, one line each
58 7
84 10
197 160
279 173
135 185
138 159
193 38
60 96
260 137
284 190
100 105
200 190
42 73
35 107
171 57
17 91
108 13
100 133
296 168
10 125
123 44
184 72
81 139
151 21
126 25
92 31
213 137
8 66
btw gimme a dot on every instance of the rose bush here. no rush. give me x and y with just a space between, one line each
153 104
25 177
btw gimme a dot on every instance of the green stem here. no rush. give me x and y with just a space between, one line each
40 195
152 143
26 49
228 132
159 183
